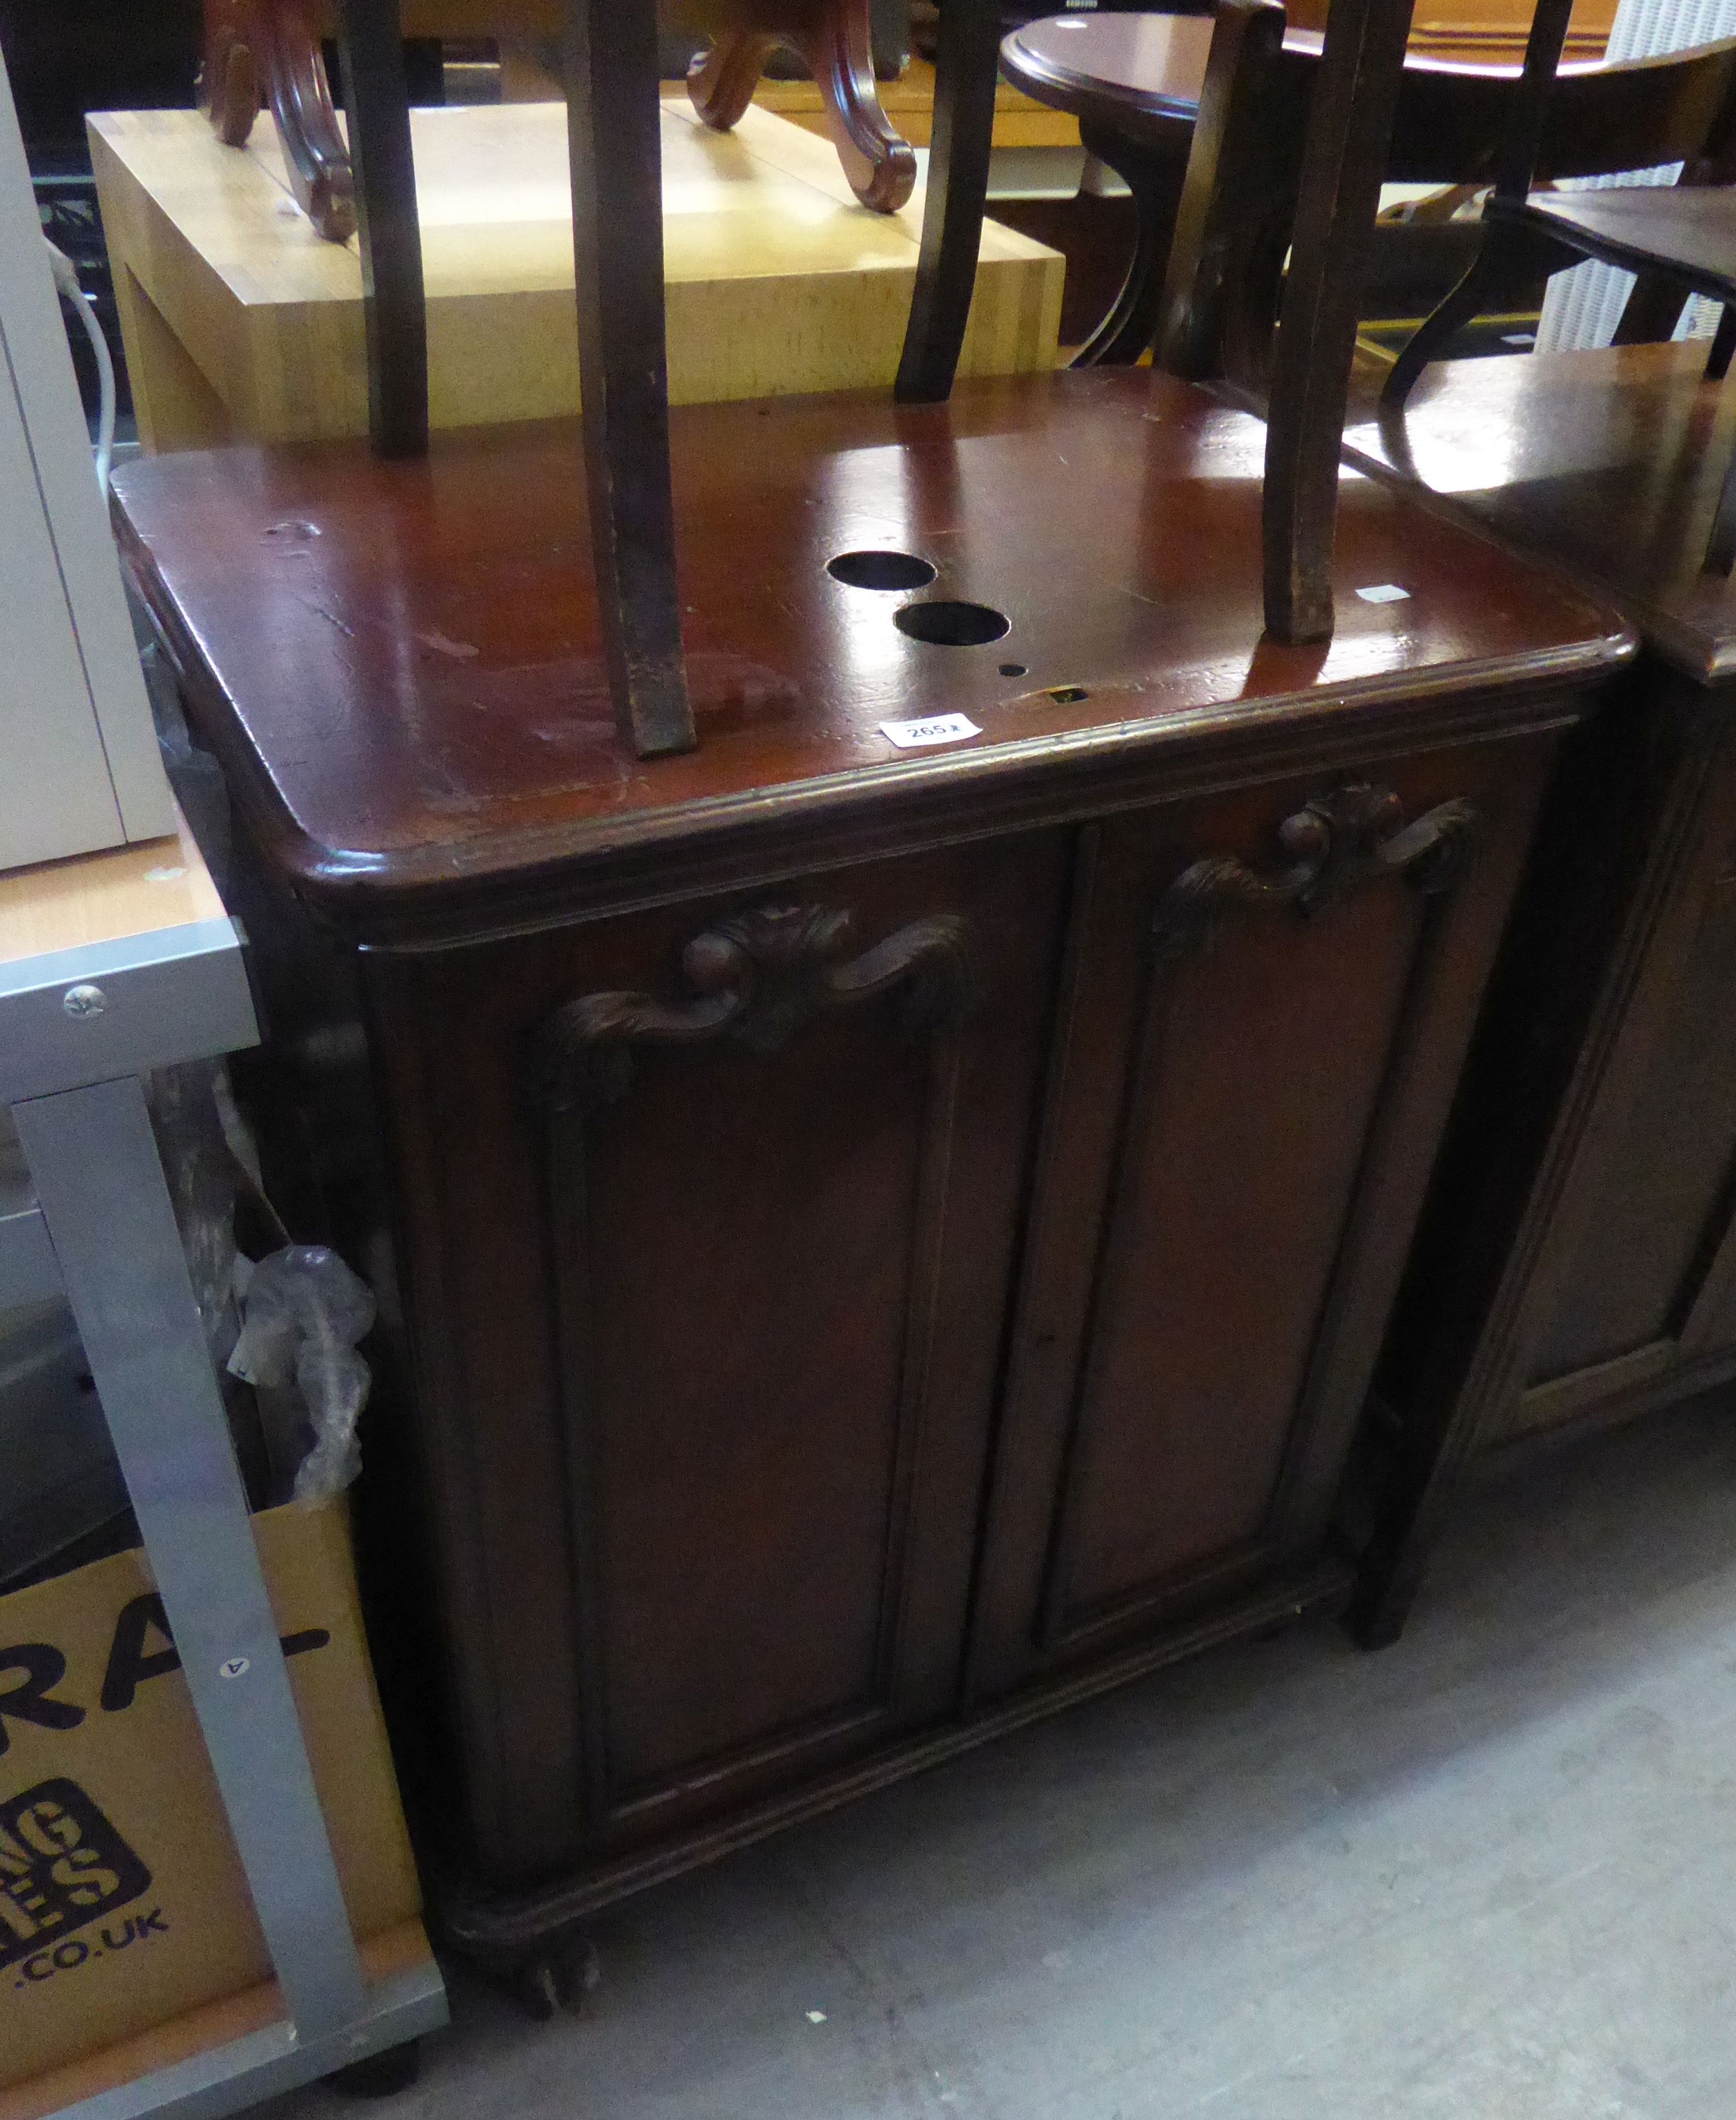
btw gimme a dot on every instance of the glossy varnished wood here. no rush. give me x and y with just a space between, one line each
875 1244
430 726
1136 83
1147 1469
1145 72
613 128
952 206
394 301
1577 1261
1610 463
1676 238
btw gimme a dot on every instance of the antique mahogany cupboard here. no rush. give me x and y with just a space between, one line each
1579 1261
885 1214
886 1241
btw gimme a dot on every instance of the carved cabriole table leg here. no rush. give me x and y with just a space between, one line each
834 39
266 49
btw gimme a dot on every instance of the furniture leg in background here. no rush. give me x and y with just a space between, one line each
268 52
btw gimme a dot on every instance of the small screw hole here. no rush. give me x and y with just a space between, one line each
1015 669
1068 695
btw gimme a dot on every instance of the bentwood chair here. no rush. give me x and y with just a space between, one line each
1134 81
1319 192
1682 236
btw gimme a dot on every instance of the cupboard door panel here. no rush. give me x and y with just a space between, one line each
1245 1237
741 1481
1264 1001
1662 1202
727 1201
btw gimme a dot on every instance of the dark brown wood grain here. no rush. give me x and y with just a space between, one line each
1238 205
953 201
1122 1501
395 309
834 37
433 735
874 1244
1575 1259
1683 237
615 133
1136 82
1344 157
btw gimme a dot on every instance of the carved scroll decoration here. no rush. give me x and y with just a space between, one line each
759 979
1336 845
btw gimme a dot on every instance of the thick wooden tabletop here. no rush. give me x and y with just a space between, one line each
776 279
401 663
1141 74
1608 463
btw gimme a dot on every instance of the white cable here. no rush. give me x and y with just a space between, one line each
66 279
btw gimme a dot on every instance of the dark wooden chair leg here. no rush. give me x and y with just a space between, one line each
880 164
1386 1591
1131 324
371 54
1441 326
721 80
615 133
1720 551
1652 310
1521 143
837 48
1218 307
1723 345
1349 136
965 64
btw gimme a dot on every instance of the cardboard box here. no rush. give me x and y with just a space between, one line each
123 1903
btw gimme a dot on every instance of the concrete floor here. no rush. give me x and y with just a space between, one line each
1491 1872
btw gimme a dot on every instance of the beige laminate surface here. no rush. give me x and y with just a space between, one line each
139 890
240 321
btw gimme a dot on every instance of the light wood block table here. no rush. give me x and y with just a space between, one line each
240 321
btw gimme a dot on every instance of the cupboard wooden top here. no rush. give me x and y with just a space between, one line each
400 662
1607 462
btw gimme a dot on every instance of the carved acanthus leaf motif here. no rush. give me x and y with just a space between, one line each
759 979
1335 846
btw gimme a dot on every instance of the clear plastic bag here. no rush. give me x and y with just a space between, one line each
303 1311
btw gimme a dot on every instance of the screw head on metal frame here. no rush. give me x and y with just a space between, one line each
83 1002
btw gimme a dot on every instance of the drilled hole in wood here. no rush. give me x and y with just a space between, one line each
952 625
880 570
